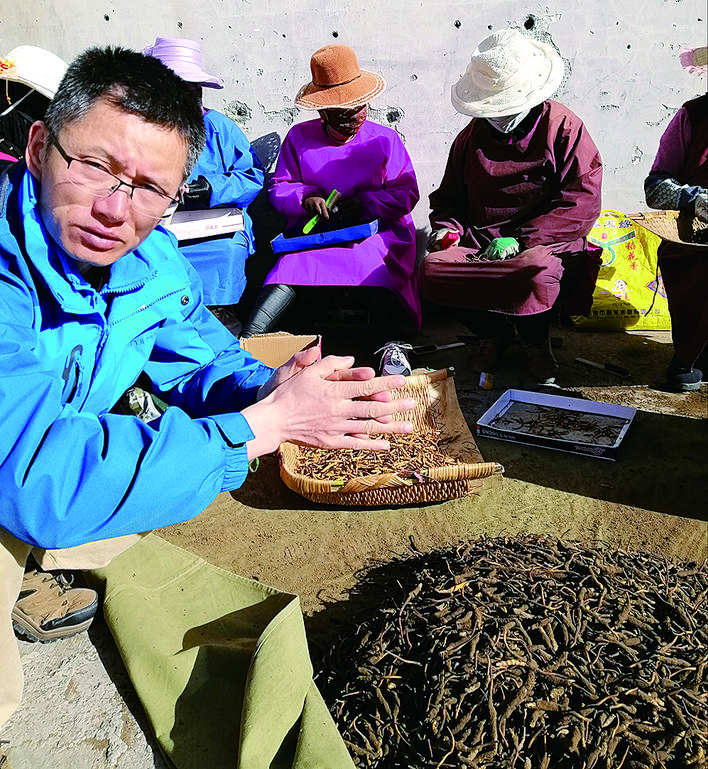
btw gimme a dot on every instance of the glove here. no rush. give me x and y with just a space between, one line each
501 248
439 240
197 195
701 210
350 208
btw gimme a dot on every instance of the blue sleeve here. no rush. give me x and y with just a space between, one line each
228 163
198 365
72 474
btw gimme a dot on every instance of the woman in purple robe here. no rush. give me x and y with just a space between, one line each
520 193
370 168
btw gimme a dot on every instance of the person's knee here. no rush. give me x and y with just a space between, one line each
435 271
271 305
91 555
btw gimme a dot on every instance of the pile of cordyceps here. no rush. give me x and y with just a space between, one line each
409 453
523 652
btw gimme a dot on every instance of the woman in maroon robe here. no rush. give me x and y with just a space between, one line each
519 195
677 181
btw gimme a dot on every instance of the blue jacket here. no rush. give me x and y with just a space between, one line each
236 176
70 470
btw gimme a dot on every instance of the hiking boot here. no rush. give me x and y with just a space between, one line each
394 359
681 379
542 365
489 353
48 607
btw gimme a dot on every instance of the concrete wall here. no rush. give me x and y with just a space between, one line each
623 74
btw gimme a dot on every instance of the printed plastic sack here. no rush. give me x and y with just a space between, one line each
629 293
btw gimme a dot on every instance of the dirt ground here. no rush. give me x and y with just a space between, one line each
654 497
79 708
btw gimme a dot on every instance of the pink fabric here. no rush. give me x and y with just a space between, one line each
375 167
541 187
184 57
5 156
671 155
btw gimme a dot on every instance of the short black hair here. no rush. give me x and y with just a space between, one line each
137 84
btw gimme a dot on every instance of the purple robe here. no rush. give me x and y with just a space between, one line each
375 167
541 187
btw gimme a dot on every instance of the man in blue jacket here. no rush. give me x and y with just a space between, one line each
93 294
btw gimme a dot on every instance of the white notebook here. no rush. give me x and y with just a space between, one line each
186 225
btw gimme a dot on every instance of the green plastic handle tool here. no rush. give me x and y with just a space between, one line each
334 195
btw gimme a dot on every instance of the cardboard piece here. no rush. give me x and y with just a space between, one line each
557 422
293 239
211 222
277 348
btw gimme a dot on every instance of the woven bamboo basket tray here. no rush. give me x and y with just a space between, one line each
673 226
436 405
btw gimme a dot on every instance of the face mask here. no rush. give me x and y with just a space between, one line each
508 123
345 122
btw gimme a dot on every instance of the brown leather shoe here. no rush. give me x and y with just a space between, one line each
542 365
48 607
489 353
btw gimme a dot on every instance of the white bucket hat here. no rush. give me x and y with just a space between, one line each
508 73
34 67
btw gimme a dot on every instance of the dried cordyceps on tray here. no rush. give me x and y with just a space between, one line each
550 422
409 453
526 652
438 461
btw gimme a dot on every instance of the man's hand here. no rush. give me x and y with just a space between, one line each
326 403
315 204
299 361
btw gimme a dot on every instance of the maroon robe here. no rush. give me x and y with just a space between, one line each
683 156
541 187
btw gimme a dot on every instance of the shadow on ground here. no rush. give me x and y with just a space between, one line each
660 464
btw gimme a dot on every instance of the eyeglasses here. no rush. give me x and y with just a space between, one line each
91 176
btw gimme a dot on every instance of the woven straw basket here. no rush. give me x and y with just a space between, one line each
436 403
670 225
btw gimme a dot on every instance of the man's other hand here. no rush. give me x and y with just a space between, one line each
326 403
